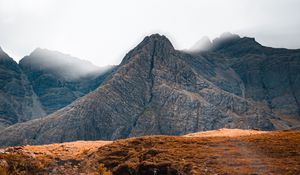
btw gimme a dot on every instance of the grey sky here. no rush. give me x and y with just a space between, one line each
104 31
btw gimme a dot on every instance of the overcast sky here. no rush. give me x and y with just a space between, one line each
104 31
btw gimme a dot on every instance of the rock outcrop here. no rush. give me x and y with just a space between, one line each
155 90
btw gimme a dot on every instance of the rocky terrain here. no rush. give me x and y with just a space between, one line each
42 83
224 151
235 83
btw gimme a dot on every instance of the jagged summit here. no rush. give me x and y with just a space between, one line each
156 44
158 39
229 44
228 39
224 41
236 46
161 44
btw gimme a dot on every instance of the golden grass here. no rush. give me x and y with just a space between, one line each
229 152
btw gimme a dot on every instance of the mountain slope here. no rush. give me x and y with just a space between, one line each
42 83
58 79
155 90
269 76
18 102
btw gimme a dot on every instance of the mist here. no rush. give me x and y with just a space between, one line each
104 31
61 65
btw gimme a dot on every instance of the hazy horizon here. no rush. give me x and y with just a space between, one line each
103 32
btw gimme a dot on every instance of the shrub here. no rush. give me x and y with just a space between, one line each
103 170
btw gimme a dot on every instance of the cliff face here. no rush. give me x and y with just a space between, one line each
155 90
18 101
42 83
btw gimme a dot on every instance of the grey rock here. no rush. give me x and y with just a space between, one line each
269 76
18 101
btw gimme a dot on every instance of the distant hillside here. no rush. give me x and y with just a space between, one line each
59 79
42 83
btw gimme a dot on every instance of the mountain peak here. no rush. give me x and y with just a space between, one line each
162 40
5 56
154 44
204 44
249 40
234 45
228 35
64 65
224 40
46 52
228 39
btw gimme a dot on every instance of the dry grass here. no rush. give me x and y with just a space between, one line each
253 153
236 153
18 163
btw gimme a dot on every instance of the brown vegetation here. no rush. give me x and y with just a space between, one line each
207 153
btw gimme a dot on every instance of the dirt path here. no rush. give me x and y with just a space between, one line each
252 159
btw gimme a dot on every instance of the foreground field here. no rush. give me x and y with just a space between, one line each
224 151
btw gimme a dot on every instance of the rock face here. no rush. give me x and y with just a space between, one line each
156 90
18 101
42 83
269 76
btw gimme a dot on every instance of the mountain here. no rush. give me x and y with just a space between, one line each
58 79
159 90
269 76
204 44
42 83
18 101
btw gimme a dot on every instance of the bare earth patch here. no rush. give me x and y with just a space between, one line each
224 132
67 150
